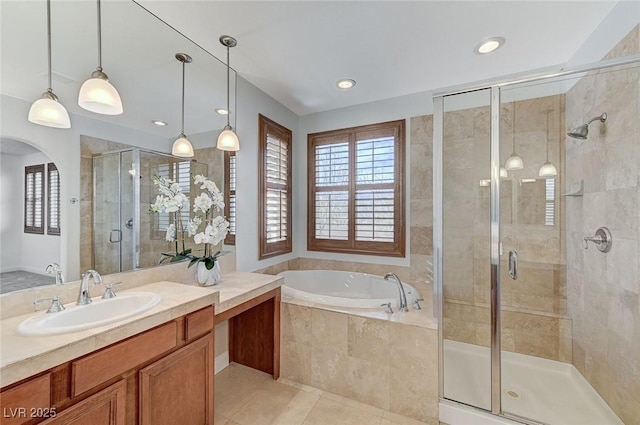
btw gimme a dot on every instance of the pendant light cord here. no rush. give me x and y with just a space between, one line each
513 129
49 40
548 113
183 71
99 37
228 95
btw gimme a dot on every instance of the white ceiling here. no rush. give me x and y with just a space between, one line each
296 50
138 57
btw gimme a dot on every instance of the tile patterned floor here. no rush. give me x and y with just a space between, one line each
248 397
13 281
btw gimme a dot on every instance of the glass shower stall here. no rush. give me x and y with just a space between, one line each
125 235
536 248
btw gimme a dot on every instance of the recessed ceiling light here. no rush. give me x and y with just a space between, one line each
488 46
222 111
160 123
346 83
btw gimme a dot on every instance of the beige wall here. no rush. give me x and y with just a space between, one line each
603 289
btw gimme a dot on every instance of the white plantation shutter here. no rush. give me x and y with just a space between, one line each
550 202
34 199
230 195
277 171
53 200
275 185
374 198
356 195
332 195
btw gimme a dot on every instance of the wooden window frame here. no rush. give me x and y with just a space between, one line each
228 193
266 250
34 169
396 248
54 231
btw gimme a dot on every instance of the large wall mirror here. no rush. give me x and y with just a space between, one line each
100 195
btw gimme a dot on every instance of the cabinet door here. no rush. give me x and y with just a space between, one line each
178 389
106 407
27 401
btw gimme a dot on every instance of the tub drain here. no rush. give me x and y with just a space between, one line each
512 393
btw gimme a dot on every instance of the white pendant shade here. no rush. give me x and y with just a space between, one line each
48 112
503 173
99 96
228 140
514 162
547 170
182 147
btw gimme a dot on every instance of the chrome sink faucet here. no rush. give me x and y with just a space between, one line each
54 268
401 294
84 296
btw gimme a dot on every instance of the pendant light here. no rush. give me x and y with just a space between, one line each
97 94
47 110
547 169
228 140
182 146
514 162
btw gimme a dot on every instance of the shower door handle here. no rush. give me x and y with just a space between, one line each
513 265
118 236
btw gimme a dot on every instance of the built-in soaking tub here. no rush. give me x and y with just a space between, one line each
344 289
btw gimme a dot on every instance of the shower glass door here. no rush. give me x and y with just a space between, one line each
466 273
107 234
114 212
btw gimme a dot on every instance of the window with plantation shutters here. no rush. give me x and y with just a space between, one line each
275 188
34 199
230 195
53 200
356 190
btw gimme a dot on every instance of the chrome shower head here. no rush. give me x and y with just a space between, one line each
581 131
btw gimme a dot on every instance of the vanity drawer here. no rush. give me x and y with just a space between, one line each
198 323
91 371
26 401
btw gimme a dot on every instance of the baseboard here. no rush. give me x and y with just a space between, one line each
221 362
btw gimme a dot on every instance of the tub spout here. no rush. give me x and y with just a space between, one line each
401 294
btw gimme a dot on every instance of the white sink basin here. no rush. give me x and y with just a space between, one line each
99 313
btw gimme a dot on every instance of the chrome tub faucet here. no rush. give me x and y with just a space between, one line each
401 294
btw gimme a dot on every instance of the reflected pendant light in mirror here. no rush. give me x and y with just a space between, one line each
547 169
514 162
97 94
47 110
182 146
228 140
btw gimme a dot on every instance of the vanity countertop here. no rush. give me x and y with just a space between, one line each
238 287
24 356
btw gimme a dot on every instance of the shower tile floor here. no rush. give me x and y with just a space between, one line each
245 396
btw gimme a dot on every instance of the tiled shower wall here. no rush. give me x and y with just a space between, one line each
604 289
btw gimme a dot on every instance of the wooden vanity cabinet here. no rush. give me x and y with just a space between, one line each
160 376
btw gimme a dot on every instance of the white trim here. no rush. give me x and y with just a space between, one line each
221 362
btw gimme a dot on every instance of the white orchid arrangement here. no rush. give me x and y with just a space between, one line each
216 228
172 200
